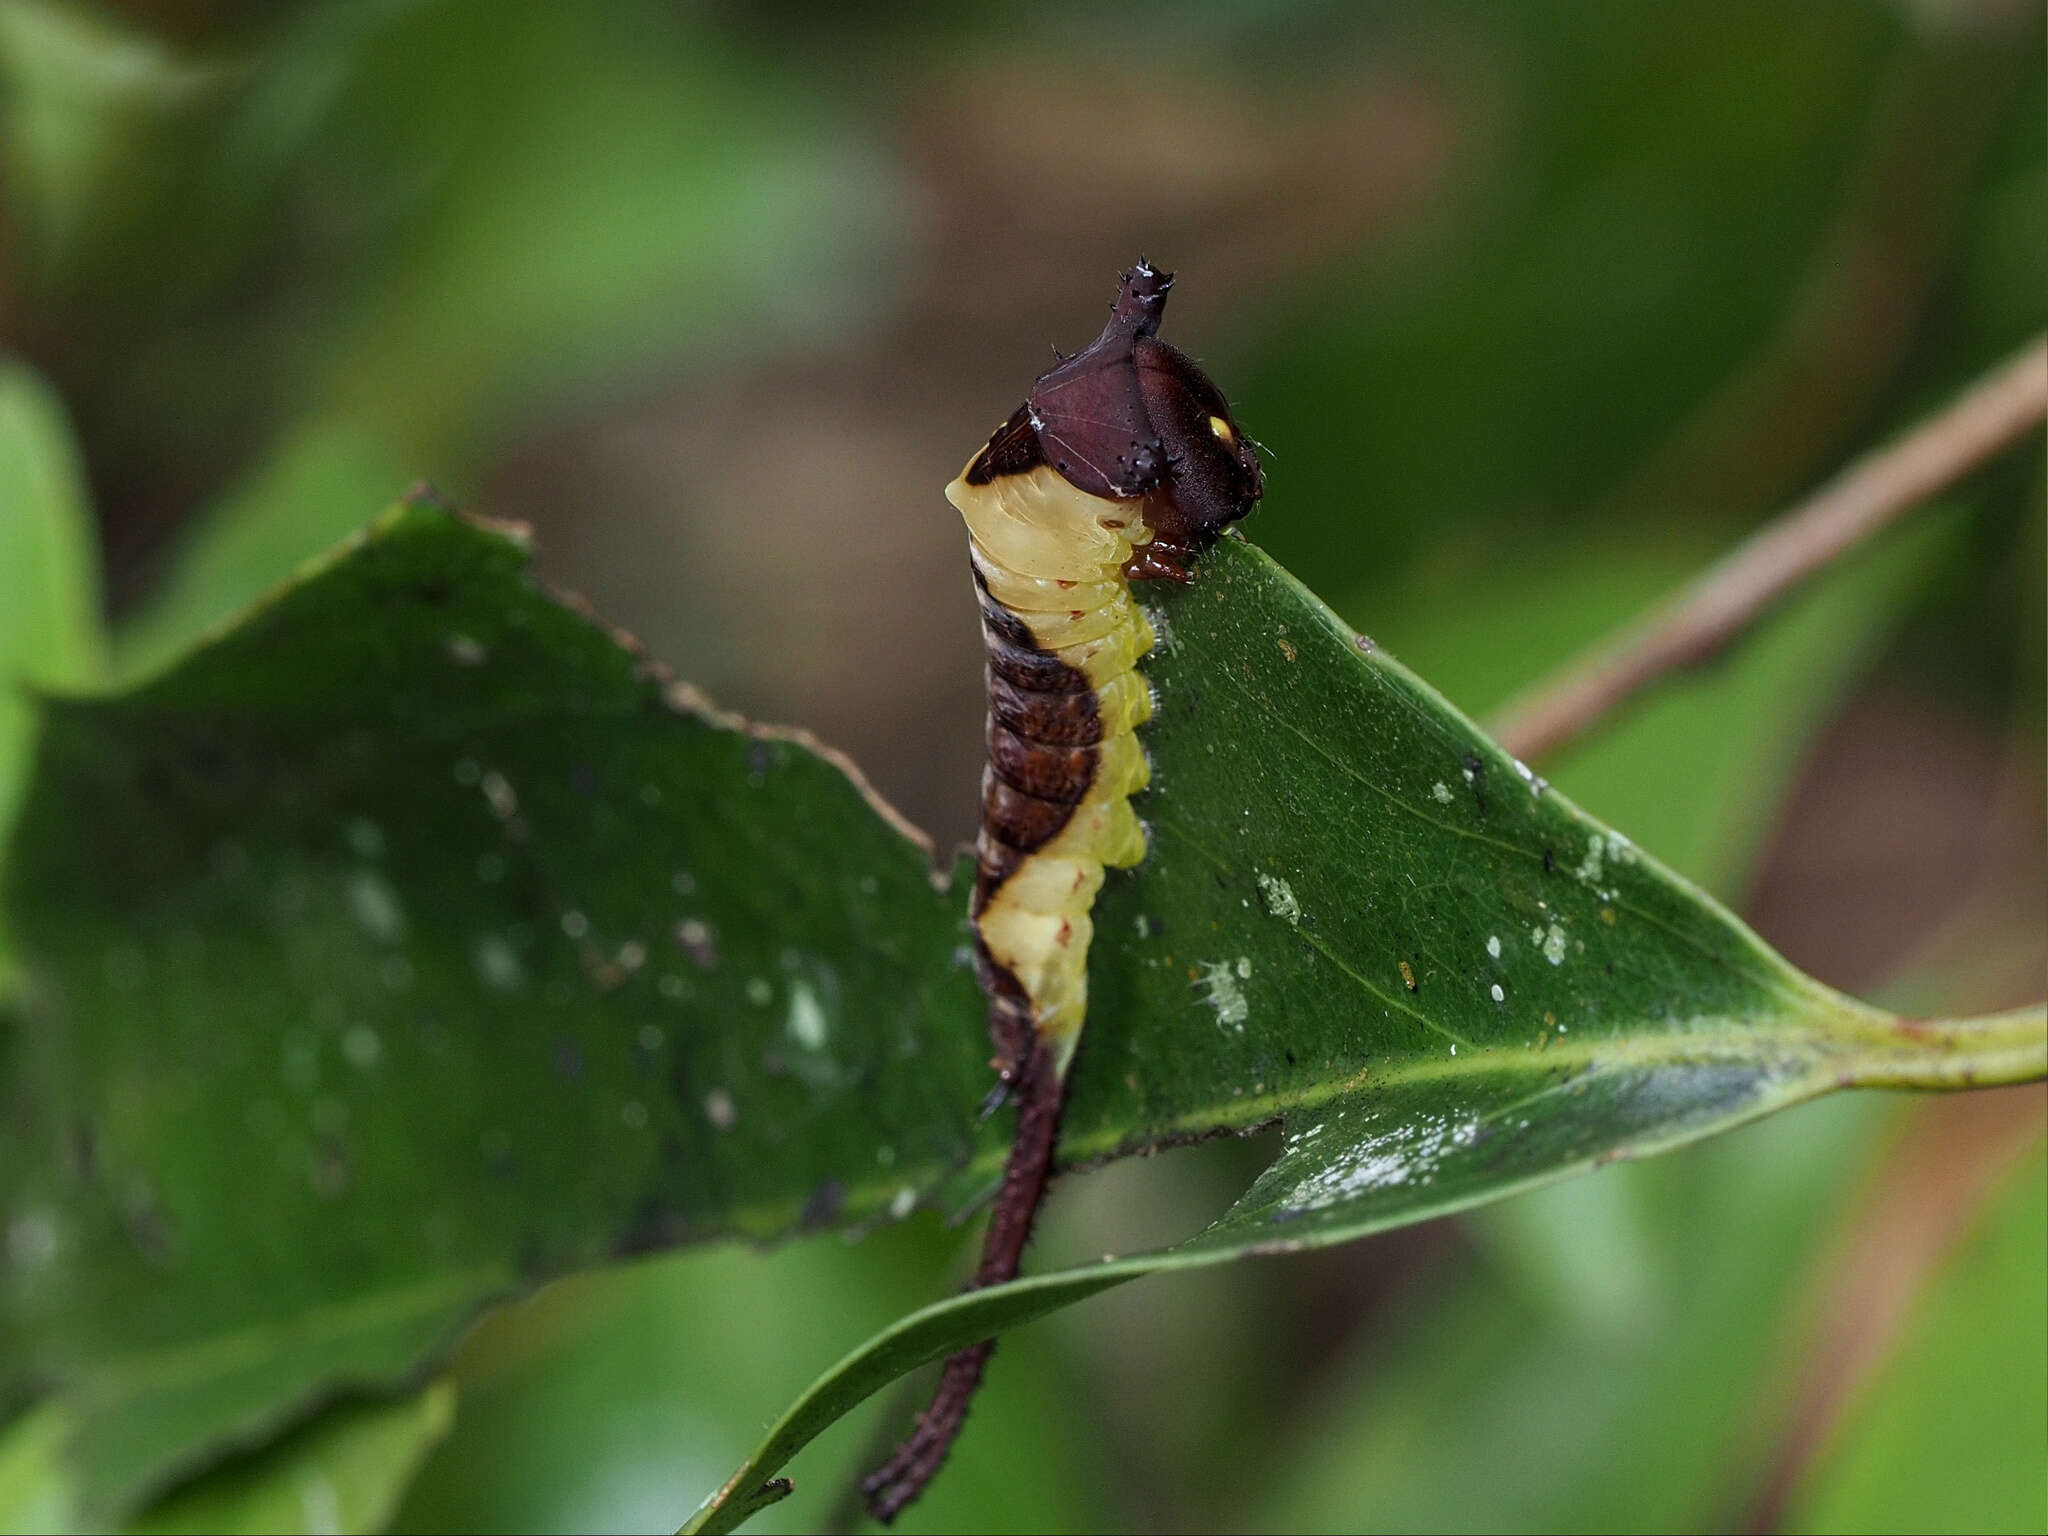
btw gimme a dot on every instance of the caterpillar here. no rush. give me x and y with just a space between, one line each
1123 464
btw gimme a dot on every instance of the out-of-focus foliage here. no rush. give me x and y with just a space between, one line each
50 635
1535 305
1874 1474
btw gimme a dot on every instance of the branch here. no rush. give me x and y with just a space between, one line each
1699 621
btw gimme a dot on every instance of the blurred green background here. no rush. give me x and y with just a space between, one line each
1537 307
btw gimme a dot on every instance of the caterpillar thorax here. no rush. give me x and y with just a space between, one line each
1122 464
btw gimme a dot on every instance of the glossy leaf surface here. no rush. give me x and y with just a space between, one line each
1360 916
415 940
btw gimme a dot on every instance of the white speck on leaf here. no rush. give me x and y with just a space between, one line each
1218 985
1441 791
696 940
497 964
1493 945
375 906
1498 995
361 1047
1162 631
467 650
1554 945
319 1503
1280 900
806 1022
500 796
719 1110
1589 866
1408 1153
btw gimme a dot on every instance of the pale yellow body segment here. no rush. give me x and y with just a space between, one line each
1053 556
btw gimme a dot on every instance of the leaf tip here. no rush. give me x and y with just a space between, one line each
727 1509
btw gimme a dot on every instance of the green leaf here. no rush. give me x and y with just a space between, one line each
49 573
1695 770
415 940
615 201
611 1400
36 1487
92 106
1359 915
307 497
344 1471
1619 1341
1947 1433
410 943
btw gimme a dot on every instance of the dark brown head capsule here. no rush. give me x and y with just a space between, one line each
1132 417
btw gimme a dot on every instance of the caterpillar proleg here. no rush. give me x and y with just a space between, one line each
1123 464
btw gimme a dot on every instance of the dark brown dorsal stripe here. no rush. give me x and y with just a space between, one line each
1057 719
999 620
1043 730
1012 449
1015 655
1024 821
1010 1025
1034 768
1034 671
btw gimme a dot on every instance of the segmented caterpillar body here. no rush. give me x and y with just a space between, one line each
1064 639
1123 464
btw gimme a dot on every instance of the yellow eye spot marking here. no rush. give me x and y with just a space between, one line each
1222 429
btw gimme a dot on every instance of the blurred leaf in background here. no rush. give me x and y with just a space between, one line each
50 626
410 223
1947 1431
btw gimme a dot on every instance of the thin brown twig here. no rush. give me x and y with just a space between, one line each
1695 624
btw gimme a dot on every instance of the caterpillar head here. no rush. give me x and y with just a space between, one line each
1212 475
1133 417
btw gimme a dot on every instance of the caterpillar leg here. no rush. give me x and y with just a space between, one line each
1041 1092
